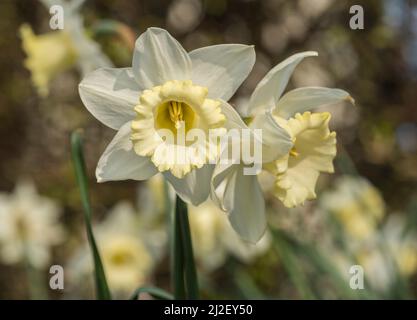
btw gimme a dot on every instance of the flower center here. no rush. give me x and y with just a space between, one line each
294 152
173 115
180 108
121 257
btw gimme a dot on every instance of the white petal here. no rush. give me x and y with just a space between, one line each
222 68
120 162
276 141
110 95
158 58
233 119
194 188
241 197
307 99
270 88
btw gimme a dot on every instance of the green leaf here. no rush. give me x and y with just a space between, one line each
322 265
157 293
291 265
177 256
103 292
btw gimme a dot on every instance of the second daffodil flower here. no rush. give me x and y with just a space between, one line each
296 146
166 90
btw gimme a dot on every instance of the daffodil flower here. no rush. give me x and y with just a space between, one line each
29 226
297 146
54 52
166 90
314 146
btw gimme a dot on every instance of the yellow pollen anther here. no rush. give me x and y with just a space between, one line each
293 152
175 113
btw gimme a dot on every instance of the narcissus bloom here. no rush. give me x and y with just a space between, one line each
356 204
297 146
29 226
54 52
314 146
129 248
167 93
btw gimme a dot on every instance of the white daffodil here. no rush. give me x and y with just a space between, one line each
296 146
167 93
129 247
392 251
401 243
63 48
314 146
29 226
356 204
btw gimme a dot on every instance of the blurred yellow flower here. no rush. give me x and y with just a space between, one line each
126 261
47 55
129 247
54 52
29 226
406 259
401 245
126 257
356 204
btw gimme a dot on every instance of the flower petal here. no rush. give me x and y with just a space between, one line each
110 95
241 197
270 88
308 98
276 142
158 58
120 162
194 188
233 119
222 68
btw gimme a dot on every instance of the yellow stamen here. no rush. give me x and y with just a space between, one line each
293 152
175 113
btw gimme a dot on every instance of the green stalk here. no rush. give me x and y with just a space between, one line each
190 272
183 271
36 282
177 257
103 292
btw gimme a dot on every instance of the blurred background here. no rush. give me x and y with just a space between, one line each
366 213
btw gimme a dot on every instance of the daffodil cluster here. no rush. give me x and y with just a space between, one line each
169 94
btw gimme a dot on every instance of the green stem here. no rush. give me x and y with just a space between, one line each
184 275
36 283
103 292
177 257
191 281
